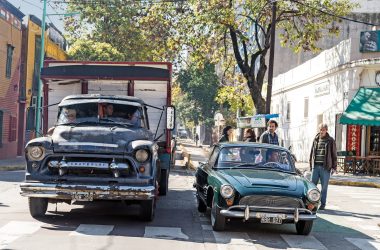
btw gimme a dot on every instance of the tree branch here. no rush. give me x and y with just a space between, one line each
238 58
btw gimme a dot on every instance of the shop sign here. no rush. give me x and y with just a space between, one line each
353 138
258 122
322 88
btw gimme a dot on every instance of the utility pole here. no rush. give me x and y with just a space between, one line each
271 57
39 88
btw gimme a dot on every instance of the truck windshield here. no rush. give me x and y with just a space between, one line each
101 113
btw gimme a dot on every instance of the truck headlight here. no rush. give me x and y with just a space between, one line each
227 191
141 155
36 153
313 195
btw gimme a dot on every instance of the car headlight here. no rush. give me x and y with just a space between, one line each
142 155
314 195
36 153
227 191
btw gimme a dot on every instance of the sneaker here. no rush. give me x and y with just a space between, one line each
322 207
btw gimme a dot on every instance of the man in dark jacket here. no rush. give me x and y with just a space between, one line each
270 135
323 160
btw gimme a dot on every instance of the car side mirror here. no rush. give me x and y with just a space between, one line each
170 117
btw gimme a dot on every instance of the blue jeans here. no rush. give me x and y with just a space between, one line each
320 173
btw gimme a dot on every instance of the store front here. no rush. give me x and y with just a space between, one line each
364 110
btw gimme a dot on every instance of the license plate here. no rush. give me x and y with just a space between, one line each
271 220
83 196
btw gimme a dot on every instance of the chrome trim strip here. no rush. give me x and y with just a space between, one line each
88 144
66 191
249 212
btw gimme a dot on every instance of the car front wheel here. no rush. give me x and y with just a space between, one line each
218 221
37 206
304 227
202 207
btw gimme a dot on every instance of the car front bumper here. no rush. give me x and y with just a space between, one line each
256 212
84 192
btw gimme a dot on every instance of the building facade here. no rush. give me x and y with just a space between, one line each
10 88
321 88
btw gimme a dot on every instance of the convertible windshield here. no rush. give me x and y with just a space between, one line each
103 113
255 158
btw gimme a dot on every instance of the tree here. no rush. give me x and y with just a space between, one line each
94 51
214 29
197 103
125 25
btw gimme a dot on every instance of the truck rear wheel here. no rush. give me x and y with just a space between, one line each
163 188
37 206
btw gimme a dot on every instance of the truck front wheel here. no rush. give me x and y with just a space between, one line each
163 188
37 206
147 209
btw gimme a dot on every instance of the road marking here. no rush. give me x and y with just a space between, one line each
233 241
365 244
15 229
303 242
204 219
332 207
92 229
365 196
353 219
370 228
170 233
207 227
370 201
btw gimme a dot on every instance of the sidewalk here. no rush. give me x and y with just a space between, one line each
200 153
17 163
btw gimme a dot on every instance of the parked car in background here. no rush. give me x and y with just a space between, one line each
182 133
257 182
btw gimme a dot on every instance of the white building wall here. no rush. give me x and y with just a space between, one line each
330 81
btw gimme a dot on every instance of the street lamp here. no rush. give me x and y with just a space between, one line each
42 56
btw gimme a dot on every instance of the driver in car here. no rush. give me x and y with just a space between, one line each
273 156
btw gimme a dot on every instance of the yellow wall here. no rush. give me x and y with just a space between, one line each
8 35
52 50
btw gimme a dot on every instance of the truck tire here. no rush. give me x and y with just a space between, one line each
164 179
147 210
37 206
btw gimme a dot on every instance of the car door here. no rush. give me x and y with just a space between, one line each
203 172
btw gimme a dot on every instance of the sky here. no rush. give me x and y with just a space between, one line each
34 7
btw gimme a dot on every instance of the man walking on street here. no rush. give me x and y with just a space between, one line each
270 135
323 160
196 139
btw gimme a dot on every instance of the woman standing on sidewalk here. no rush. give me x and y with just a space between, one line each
227 134
249 135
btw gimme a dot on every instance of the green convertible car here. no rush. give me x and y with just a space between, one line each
252 181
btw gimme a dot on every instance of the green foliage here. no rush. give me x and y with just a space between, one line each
87 50
198 88
237 97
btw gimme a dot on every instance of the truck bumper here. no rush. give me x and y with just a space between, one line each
83 192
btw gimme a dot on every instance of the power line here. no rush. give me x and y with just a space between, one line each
332 14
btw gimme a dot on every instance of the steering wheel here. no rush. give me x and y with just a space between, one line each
272 164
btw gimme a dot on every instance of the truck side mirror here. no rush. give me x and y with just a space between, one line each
170 117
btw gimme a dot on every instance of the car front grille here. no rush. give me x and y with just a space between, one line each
270 201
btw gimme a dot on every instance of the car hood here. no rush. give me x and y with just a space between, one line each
95 139
251 178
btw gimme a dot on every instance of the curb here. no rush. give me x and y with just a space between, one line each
12 168
354 183
187 158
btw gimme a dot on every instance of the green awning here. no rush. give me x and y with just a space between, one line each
364 109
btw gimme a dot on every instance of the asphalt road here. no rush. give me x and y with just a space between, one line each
350 222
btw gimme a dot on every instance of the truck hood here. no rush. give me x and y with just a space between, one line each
95 139
250 178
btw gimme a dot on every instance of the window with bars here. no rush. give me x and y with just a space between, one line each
12 128
8 69
288 111
306 108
